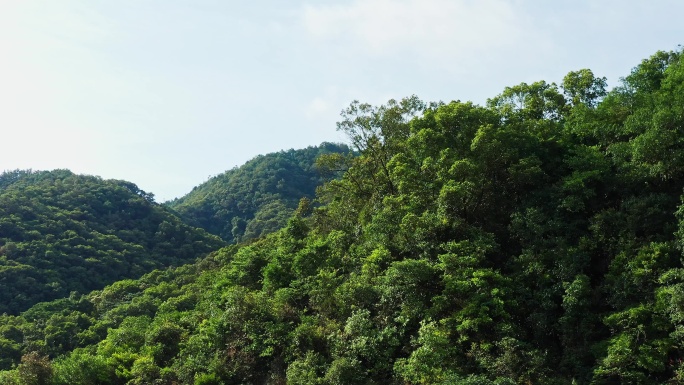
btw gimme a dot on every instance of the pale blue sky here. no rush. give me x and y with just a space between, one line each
166 93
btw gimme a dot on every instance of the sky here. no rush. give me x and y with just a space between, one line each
167 93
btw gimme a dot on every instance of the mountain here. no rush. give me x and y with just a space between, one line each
61 232
256 198
536 239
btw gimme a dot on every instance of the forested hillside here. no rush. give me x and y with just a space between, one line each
61 232
258 197
535 240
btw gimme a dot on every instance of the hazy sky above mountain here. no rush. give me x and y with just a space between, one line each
166 93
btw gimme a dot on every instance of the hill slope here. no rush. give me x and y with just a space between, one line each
534 240
256 198
61 232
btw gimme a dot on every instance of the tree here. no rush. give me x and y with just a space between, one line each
582 87
378 134
35 369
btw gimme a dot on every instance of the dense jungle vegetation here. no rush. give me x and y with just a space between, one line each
61 232
535 240
256 198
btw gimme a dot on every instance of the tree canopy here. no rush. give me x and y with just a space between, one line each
258 197
535 240
61 232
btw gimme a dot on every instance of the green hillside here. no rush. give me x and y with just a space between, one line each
61 232
256 198
535 240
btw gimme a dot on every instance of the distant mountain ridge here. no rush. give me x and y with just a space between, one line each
256 198
61 232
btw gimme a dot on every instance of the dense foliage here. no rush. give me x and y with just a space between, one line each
534 240
258 197
61 232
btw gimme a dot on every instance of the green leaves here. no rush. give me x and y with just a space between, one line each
534 240
582 87
63 232
259 197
